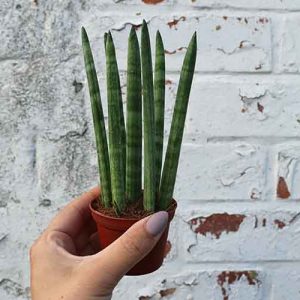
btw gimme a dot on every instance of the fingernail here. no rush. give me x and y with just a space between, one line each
157 223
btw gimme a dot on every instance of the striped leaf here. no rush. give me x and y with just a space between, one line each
122 122
117 163
134 120
149 121
159 105
98 120
177 126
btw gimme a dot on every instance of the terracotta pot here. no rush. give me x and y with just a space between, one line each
110 228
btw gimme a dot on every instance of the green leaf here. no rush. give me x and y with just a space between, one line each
149 121
134 120
98 120
177 126
159 105
117 164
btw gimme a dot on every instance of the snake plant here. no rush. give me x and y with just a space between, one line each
120 160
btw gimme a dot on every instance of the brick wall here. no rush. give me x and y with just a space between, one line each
236 235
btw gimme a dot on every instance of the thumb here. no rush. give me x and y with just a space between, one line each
118 258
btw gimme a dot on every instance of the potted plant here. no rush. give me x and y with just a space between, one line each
123 201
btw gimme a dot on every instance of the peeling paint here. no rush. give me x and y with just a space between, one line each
173 23
152 1
121 28
167 292
174 51
145 298
242 45
229 277
216 224
263 20
280 224
255 194
260 107
282 189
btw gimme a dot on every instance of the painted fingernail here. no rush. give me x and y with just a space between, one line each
157 223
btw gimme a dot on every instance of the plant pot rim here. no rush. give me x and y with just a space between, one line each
170 209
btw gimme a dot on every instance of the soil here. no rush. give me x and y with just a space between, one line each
133 210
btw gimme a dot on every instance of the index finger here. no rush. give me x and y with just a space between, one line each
73 217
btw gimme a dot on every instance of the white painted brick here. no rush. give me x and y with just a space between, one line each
215 284
224 44
230 236
248 107
240 138
286 282
65 164
288 172
290 45
221 172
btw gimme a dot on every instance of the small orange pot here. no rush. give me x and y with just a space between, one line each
110 228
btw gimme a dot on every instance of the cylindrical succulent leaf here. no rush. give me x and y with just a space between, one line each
123 132
177 126
159 105
105 39
134 120
98 120
117 163
149 121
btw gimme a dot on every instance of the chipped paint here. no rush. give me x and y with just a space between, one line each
282 189
216 224
152 1
167 292
263 20
260 107
226 278
126 24
174 51
145 298
280 224
172 24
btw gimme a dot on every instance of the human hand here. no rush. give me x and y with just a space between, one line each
66 262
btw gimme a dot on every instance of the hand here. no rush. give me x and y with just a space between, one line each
66 262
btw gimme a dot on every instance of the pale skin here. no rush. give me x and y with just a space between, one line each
66 262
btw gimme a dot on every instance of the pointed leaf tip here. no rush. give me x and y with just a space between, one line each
83 33
194 37
132 33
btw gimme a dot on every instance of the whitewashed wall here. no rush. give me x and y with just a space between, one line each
237 231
